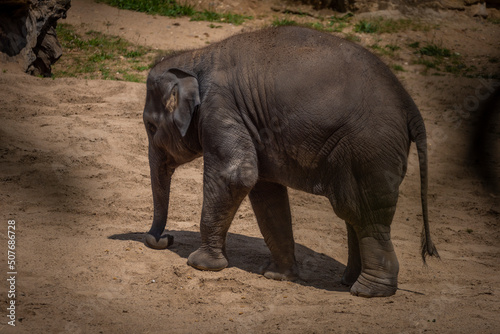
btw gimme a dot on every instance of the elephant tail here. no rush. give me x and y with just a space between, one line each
418 135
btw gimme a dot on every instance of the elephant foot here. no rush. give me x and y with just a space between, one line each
163 242
369 286
380 267
350 276
203 259
272 271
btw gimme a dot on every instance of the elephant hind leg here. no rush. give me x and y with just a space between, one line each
353 269
372 265
272 209
372 268
379 265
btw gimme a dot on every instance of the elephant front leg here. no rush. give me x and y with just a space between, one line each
161 176
222 195
214 225
379 264
272 209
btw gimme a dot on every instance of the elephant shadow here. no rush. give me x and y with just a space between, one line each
251 254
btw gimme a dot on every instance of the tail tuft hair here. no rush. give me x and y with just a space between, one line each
427 246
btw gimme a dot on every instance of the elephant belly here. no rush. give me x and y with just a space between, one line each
310 179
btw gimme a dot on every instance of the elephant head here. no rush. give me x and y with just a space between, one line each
171 102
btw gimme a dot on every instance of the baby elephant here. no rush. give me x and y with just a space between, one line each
287 107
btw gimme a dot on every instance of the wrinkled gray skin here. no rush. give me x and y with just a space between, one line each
286 107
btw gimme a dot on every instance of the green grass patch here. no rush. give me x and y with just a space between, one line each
380 25
99 56
429 63
333 23
142 68
437 59
398 68
209 16
135 54
172 8
68 38
388 50
283 22
433 50
132 77
330 24
414 45
366 27
393 47
156 7
230 18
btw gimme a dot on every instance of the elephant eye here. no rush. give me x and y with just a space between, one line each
151 128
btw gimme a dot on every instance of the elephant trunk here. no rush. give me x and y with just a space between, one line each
161 176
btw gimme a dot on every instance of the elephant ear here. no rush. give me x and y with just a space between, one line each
183 99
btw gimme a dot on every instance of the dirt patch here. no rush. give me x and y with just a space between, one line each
74 176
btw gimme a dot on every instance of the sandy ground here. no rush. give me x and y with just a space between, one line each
75 178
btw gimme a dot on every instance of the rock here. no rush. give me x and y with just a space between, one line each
28 35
